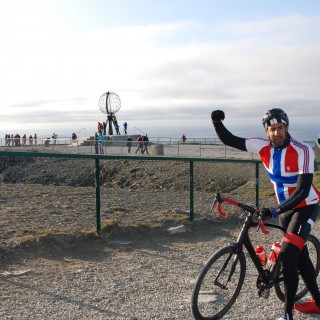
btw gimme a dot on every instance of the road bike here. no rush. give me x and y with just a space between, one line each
220 281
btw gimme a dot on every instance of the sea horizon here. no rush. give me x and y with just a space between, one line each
162 132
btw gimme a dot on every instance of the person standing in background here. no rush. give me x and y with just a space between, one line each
145 144
101 143
129 144
125 127
96 143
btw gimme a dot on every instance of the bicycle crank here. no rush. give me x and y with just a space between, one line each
264 288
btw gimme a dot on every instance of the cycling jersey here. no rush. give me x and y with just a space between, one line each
284 165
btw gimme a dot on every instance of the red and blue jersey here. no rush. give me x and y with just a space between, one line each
284 166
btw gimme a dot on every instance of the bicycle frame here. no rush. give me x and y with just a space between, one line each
243 238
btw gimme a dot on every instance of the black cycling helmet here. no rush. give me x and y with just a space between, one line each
273 116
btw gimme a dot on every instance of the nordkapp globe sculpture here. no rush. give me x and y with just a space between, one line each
110 104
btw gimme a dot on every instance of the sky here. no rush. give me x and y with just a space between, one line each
171 62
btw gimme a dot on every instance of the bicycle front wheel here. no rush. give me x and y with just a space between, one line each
218 284
313 246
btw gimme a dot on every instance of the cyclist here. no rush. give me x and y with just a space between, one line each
290 166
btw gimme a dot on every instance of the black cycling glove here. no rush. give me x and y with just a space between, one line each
268 213
217 115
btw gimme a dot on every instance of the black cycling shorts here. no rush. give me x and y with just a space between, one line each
299 221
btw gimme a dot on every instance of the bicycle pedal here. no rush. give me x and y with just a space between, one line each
265 293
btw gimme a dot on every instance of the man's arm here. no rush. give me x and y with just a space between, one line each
224 134
300 193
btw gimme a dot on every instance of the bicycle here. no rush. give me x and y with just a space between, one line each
220 281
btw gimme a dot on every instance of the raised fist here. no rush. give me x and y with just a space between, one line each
217 115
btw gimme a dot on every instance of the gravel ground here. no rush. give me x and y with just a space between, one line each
142 272
145 277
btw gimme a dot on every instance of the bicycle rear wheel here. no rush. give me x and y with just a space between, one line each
313 245
218 284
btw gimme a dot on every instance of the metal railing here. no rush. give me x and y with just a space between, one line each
156 147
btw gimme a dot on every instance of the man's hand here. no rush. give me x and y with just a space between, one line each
268 213
217 115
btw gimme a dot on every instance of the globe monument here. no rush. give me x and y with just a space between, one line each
110 104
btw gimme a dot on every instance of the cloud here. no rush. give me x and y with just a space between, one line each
282 29
163 71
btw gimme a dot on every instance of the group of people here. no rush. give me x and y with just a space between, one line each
102 126
16 140
142 145
99 136
143 142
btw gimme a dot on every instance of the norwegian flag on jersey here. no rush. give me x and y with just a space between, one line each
284 166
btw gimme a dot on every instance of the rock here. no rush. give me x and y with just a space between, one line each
180 211
178 229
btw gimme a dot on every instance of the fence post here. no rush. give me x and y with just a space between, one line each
257 184
98 220
191 191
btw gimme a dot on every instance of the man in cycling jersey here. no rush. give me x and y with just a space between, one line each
290 166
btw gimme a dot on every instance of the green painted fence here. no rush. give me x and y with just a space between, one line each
98 158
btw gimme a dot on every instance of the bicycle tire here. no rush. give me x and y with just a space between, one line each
210 301
314 252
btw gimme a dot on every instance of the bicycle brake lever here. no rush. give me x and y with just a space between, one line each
261 226
214 202
216 199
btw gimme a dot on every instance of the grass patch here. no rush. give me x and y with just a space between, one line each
110 225
118 208
269 192
32 237
54 212
316 179
134 170
169 216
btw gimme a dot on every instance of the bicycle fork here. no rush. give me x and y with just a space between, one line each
231 272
